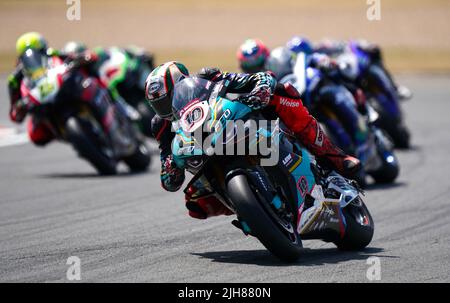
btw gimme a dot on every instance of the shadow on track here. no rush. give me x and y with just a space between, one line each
84 175
412 148
310 257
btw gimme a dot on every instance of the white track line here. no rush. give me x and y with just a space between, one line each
12 136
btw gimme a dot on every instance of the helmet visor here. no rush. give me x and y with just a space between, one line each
34 64
162 107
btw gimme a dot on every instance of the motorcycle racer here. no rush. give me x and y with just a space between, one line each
34 57
102 54
262 92
335 48
124 71
283 62
252 56
38 132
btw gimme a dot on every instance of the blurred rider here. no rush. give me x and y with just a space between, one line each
295 58
38 132
335 48
252 56
74 48
124 71
262 92
34 58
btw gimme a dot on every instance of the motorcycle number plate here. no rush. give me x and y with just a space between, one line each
194 116
45 88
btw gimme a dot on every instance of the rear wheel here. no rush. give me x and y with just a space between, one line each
280 238
89 147
359 227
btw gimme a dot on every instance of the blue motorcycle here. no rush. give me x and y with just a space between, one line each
351 125
380 90
280 203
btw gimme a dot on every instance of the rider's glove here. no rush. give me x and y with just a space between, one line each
258 98
18 106
209 73
21 104
172 177
18 111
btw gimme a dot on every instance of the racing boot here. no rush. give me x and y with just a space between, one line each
403 92
315 140
295 116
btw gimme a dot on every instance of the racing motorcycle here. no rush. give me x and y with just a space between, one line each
281 204
53 95
356 65
318 88
124 72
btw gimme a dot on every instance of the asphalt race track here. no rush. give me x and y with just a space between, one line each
126 229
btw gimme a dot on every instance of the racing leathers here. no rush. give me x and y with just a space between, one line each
340 95
124 71
38 132
318 79
92 91
373 51
262 92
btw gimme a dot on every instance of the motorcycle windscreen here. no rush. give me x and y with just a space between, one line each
34 64
189 103
189 91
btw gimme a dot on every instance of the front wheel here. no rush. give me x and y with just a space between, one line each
390 168
280 239
388 172
140 160
395 128
80 134
359 227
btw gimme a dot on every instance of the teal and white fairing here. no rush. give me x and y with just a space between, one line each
199 108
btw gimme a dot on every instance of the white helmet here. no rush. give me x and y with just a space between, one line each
280 62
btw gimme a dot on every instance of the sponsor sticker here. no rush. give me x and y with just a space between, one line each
302 186
289 102
319 137
153 86
287 160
